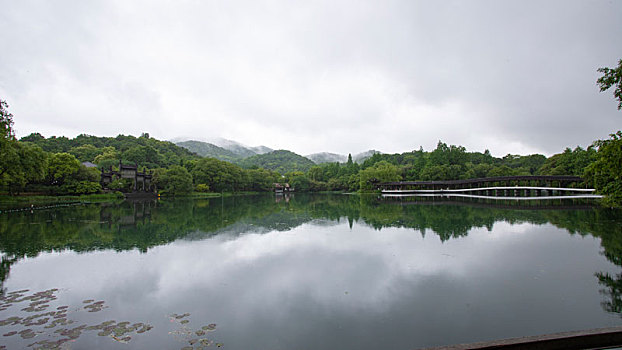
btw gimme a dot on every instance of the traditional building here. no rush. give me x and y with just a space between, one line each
142 181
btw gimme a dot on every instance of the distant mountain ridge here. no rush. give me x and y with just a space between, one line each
361 157
237 148
235 152
282 161
205 149
222 149
326 157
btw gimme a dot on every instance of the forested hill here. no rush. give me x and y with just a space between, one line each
205 149
325 157
282 161
106 151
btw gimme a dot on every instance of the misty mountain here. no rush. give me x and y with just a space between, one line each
282 161
233 151
325 157
261 149
222 149
361 157
238 148
205 149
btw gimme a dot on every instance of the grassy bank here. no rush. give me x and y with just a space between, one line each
26 201
209 194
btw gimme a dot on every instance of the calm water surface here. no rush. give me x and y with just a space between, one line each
329 272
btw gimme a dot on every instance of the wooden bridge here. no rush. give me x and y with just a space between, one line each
502 187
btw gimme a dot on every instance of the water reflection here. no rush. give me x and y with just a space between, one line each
345 267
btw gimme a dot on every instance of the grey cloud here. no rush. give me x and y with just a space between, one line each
344 77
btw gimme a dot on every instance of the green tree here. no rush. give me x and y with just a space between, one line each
382 171
202 188
143 155
8 154
448 155
175 180
605 173
85 153
217 174
6 123
502 170
261 179
34 137
299 182
61 167
569 162
107 158
612 77
29 165
20 163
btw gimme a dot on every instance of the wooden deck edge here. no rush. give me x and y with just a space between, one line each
588 339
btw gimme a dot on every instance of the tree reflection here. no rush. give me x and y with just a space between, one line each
142 225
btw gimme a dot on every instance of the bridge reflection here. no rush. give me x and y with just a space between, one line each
527 203
505 187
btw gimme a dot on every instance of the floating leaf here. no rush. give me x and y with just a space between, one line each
27 334
206 342
180 316
104 333
209 327
124 340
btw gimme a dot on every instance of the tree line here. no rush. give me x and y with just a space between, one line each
59 165
124 226
56 165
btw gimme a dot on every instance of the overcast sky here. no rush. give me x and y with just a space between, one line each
310 76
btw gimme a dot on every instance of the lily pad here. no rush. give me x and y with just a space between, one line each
27 333
104 333
206 342
209 327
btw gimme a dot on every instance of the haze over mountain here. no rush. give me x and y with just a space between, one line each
282 161
233 151
238 148
205 149
326 157
361 157
215 146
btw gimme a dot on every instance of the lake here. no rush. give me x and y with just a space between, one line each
305 272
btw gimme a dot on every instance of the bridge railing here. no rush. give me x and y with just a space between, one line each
503 186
